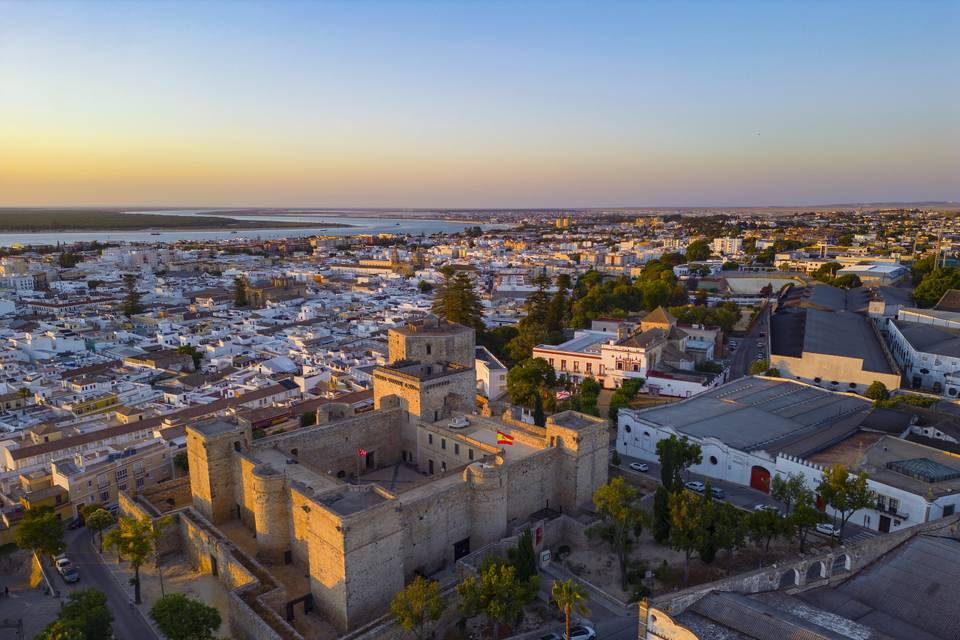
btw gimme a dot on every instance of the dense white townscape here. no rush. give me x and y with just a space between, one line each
783 348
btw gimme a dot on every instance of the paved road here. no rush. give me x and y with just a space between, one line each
128 624
610 623
747 350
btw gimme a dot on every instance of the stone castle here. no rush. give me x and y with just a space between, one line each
361 503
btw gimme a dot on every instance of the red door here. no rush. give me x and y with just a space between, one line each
760 479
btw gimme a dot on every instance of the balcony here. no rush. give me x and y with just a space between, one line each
891 511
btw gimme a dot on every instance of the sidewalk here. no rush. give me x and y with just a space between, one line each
178 577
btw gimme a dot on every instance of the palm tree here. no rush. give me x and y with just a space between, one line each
570 598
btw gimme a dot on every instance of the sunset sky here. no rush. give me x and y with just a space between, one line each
478 104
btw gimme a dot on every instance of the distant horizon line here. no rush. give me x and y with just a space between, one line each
127 208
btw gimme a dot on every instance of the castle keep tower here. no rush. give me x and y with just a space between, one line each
211 449
433 341
431 372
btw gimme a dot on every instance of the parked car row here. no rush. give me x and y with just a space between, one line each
698 487
824 528
66 569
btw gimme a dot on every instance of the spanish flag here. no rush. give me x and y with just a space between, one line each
504 438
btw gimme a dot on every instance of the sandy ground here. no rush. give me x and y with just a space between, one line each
178 577
26 600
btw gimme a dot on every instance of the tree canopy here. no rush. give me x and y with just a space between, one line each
456 300
934 284
183 618
877 391
41 531
85 616
131 301
495 593
239 292
845 492
676 454
418 605
594 297
529 379
698 250
97 521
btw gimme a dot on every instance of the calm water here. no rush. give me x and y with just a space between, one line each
359 226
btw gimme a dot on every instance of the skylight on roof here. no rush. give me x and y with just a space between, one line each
924 469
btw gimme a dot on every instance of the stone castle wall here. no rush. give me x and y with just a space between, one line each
333 447
431 524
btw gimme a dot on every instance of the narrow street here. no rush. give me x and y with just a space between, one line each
128 623
747 350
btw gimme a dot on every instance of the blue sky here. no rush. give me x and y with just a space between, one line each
478 104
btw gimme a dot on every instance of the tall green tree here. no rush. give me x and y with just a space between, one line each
676 454
805 517
621 520
135 540
524 557
239 291
496 593
661 515
845 492
570 598
558 309
539 417
456 300
765 525
131 301
417 606
183 618
789 490
689 521
530 379
97 522
723 527
532 328
40 531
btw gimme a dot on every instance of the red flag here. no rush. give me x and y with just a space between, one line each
504 438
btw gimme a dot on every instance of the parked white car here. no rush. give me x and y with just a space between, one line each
828 529
639 466
582 632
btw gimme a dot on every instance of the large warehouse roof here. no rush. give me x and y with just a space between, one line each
759 413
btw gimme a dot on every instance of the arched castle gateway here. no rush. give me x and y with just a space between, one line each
363 502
